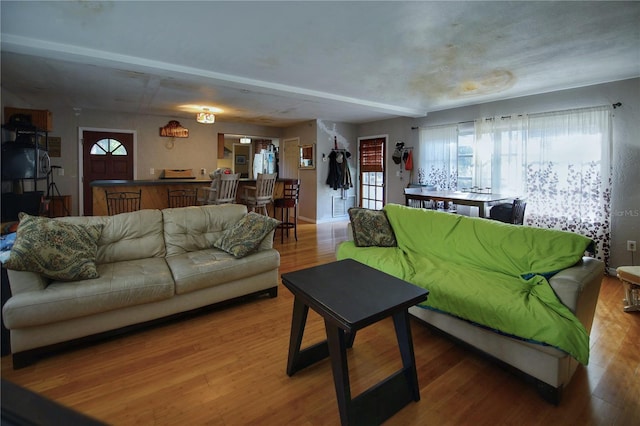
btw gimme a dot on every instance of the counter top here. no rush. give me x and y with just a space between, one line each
122 182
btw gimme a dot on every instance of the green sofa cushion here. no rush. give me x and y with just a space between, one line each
495 246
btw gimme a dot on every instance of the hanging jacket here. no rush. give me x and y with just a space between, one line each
335 178
408 161
346 175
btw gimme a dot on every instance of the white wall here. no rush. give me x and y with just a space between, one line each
625 197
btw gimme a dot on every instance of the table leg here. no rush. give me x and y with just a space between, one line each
299 359
481 210
405 343
338 352
298 322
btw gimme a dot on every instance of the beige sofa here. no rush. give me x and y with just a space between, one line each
152 264
549 368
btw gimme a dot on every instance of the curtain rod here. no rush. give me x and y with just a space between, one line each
444 125
615 105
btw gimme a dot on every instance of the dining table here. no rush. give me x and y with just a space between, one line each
474 199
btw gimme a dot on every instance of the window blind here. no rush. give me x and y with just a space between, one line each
371 155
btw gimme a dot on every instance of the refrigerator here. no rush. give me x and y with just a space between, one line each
264 162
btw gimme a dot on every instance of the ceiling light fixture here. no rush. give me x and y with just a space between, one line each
206 117
245 139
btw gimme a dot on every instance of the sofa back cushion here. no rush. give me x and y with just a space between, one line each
496 246
195 228
127 236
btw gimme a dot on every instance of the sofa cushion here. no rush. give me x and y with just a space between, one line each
206 268
126 236
120 284
510 249
371 228
246 235
55 249
196 228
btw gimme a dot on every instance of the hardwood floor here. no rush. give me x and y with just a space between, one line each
227 367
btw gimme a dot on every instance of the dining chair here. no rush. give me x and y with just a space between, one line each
227 189
123 201
289 200
517 211
261 195
210 193
182 197
509 212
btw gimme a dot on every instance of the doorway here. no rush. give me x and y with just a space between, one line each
105 155
372 164
242 155
289 158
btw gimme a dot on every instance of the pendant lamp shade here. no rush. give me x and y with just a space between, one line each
206 117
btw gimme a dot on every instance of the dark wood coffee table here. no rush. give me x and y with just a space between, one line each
349 296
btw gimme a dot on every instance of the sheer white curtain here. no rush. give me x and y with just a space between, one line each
500 154
568 173
559 162
438 157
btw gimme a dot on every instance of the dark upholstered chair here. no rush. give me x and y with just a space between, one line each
509 212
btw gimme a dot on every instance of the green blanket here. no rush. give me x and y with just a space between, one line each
483 271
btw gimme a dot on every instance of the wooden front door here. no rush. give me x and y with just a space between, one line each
106 155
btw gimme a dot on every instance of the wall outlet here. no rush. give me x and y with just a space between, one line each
152 171
60 172
203 171
631 245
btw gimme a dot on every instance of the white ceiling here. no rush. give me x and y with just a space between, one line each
278 63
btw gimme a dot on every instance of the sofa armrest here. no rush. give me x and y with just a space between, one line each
267 241
349 232
24 282
578 288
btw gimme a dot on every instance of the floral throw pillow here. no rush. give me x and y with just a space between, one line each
55 249
371 228
246 235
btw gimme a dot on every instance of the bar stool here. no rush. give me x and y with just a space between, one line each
289 200
182 197
259 196
123 201
227 189
630 277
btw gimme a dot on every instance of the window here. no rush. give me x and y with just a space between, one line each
371 163
559 162
438 164
108 146
466 170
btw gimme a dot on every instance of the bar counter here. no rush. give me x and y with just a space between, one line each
154 192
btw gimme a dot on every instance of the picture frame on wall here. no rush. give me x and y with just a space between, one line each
55 146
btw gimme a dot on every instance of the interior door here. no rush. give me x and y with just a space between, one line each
106 155
289 159
371 163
